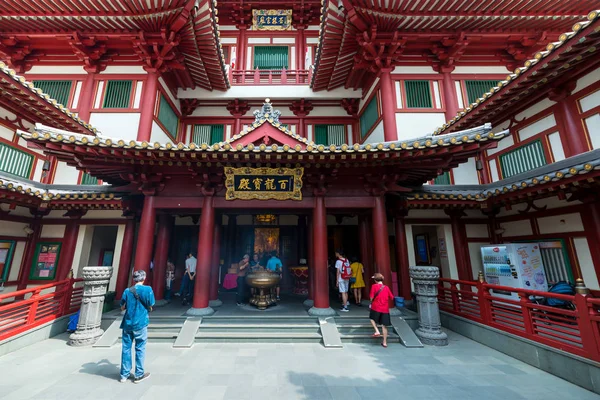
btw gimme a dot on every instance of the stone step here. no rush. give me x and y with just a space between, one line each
275 337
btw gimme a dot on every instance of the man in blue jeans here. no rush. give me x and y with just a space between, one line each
137 301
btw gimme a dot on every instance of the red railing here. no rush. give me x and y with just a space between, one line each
575 331
270 77
26 309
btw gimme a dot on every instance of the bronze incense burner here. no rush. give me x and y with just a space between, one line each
263 282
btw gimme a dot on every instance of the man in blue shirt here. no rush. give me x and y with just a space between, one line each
274 265
136 301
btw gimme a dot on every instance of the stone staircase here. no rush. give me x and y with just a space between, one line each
359 330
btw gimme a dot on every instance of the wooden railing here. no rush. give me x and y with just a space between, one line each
26 309
575 331
270 77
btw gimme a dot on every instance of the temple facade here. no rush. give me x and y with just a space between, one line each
133 135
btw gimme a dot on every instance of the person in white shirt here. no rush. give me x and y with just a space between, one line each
187 284
342 282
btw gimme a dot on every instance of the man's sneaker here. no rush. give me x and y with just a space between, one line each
344 309
141 378
177 294
123 380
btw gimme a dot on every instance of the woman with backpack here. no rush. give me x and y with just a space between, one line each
381 296
344 273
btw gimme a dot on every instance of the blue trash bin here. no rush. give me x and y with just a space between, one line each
399 301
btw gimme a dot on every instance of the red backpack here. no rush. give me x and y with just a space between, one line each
346 272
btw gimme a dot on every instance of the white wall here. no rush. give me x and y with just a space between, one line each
9 228
561 223
117 125
466 173
377 135
6 133
475 256
411 126
582 248
15 266
158 135
53 231
65 175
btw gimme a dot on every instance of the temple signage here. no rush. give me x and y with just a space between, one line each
271 20
263 183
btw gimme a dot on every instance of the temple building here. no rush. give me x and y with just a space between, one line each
132 133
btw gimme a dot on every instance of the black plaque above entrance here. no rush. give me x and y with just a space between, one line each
263 183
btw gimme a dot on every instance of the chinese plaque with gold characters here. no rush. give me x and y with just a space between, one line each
272 20
263 183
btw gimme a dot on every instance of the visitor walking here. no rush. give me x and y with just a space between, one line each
136 301
344 273
380 296
243 266
170 277
187 283
357 281
274 265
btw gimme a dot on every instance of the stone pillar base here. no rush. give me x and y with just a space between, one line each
321 312
85 338
432 338
215 303
200 312
308 303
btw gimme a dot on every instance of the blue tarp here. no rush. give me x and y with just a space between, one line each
73 322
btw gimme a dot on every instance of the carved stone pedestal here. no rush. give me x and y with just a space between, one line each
425 279
95 283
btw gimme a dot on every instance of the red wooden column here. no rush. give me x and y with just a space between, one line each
200 304
125 259
86 96
311 265
241 49
69 242
214 271
461 248
381 244
388 105
365 253
570 126
402 254
449 94
145 240
590 215
147 106
161 255
29 253
321 286
484 171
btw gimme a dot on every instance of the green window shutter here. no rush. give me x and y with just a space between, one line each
87 179
443 179
369 117
167 116
217 133
271 57
58 90
208 134
15 161
321 134
523 159
117 94
476 89
418 94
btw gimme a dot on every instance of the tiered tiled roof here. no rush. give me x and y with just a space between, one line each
575 50
22 97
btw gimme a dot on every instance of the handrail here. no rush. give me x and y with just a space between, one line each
575 330
270 77
21 315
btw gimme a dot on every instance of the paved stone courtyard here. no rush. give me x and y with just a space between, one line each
464 370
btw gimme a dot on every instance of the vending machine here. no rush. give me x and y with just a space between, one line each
517 265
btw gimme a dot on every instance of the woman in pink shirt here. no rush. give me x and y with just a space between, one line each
380 296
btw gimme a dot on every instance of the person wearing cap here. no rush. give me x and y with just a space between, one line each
136 302
380 296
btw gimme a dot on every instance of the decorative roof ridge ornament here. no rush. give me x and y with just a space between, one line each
267 112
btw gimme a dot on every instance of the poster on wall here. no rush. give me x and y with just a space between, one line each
7 248
45 261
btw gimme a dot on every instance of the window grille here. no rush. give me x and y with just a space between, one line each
15 161
87 179
330 134
443 179
522 159
58 90
209 134
418 94
117 94
167 116
271 57
369 117
476 89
